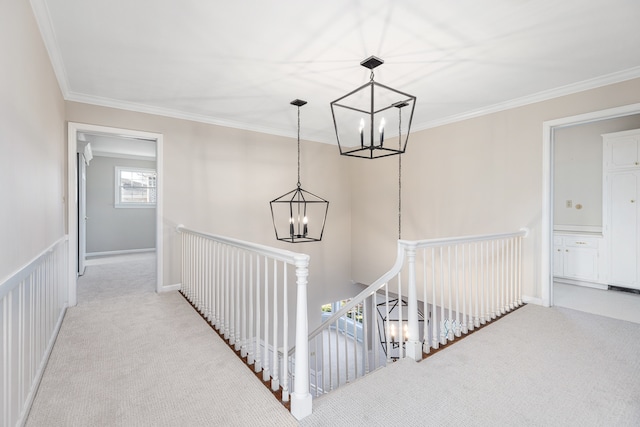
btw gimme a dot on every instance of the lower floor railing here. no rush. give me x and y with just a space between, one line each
437 291
32 305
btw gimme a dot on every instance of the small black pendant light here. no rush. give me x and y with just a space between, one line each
361 117
299 216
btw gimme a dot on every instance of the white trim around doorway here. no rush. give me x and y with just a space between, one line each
72 202
548 128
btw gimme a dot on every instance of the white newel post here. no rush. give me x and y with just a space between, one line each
301 398
413 344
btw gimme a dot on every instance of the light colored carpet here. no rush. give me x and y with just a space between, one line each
536 367
126 356
616 304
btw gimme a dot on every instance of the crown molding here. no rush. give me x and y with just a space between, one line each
43 20
175 114
608 79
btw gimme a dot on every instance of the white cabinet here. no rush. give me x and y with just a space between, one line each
577 257
621 150
621 215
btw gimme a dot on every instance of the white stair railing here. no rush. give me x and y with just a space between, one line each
463 282
242 290
451 287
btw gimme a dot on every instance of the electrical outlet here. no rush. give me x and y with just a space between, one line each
569 203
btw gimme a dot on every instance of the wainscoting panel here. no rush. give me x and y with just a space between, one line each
33 302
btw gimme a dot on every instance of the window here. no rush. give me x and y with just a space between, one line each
135 188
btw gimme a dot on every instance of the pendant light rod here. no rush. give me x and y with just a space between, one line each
298 103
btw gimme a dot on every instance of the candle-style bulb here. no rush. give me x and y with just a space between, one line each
291 226
305 230
381 130
361 130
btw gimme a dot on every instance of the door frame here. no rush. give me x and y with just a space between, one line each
548 128
81 164
72 203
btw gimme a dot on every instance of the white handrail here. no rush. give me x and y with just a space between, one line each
370 290
393 272
276 253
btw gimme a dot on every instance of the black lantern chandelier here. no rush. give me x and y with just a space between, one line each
374 120
299 216
393 329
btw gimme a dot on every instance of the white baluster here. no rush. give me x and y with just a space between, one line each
275 380
366 318
265 359
519 272
500 272
443 332
494 260
435 344
355 342
401 337
237 303
251 336
476 275
376 343
387 321
466 285
227 288
244 315
285 335
258 365
450 318
413 345
426 347
456 282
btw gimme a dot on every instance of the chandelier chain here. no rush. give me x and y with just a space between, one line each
399 174
299 147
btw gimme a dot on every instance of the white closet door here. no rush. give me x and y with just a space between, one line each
624 228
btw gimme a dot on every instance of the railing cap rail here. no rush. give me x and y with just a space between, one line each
418 244
279 254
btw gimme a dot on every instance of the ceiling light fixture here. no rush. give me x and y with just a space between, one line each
365 120
299 216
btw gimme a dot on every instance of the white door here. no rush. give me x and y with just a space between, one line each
623 227
82 213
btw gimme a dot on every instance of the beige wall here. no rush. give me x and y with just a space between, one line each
577 172
220 180
481 175
32 164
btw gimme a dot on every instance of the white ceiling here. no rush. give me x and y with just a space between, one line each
240 63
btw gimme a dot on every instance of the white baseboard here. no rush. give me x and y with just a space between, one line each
171 288
120 252
531 300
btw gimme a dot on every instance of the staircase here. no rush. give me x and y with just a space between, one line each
437 291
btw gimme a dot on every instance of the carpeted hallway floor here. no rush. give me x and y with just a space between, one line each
126 356
536 367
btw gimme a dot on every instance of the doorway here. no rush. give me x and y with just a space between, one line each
75 224
549 139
